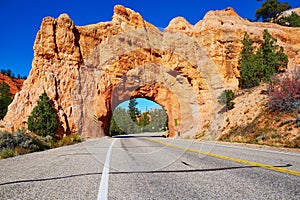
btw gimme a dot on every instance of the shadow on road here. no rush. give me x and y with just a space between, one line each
138 136
192 170
134 172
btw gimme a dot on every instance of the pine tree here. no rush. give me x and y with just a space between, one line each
132 110
42 120
274 57
271 9
5 99
268 60
114 128
249 64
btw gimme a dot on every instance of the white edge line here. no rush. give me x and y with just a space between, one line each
103 188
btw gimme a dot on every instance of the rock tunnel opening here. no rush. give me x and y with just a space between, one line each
157 93
138 115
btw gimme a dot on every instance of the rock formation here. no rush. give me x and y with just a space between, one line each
15 84
88 70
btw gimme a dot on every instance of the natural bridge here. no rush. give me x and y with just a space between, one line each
89 70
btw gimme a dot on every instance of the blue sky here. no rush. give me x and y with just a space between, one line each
143 105
20 19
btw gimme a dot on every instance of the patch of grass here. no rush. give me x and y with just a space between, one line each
7 153
68 140
199 136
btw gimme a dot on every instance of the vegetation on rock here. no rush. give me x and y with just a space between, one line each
271 9
269 128
42 120
292 21
226 99
8 87
260 66
284 92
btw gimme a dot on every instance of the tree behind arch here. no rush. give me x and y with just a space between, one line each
42 120
132 110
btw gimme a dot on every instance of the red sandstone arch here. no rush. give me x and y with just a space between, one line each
129 64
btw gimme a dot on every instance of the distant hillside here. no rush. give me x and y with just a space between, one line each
15 84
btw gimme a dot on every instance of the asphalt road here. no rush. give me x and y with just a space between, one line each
151 167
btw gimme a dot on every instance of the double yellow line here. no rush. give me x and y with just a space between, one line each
278 169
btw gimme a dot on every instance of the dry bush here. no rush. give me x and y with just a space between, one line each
284 92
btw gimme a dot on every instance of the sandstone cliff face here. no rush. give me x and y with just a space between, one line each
221 32
88 70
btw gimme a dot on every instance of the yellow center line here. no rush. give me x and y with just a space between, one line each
278 169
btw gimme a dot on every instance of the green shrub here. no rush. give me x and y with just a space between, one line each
68 140
7 141
226 99
20 143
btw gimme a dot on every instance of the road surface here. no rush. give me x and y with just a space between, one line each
151 167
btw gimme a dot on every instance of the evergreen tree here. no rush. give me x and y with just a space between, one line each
268 60
9 73
132 110
249 64
159 121
274 57
5 99
270 10
114 128
121 123
42 120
